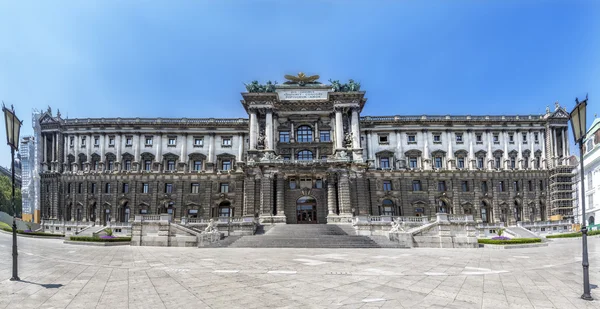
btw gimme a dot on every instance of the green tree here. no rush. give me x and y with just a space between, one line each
5 197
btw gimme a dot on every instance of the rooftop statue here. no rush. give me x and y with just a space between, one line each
301 79
350 86
254 86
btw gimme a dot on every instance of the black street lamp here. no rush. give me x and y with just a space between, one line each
13 128
578 123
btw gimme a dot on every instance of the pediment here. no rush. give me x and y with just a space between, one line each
47 119
560 113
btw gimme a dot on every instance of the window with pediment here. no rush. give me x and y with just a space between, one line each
513 159
461 158
438 158
413 157
526 158
498 158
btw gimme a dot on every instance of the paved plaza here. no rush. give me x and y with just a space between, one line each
57 275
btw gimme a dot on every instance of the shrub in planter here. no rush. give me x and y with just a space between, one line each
513 241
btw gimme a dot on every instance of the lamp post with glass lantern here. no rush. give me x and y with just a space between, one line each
578 124
13 128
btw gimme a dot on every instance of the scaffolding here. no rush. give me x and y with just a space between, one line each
561 191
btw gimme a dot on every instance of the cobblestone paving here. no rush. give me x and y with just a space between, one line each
57 275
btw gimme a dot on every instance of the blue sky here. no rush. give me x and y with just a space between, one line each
191 58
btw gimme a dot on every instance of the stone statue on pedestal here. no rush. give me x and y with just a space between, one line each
397 226
348 140
261 139
211 227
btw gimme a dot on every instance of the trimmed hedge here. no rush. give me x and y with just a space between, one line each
576 234
98 239
514 241
32 233
4 226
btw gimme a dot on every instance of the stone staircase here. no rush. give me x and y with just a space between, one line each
520 232
306 236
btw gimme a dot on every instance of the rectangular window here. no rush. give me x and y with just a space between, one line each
441 186
129 141
384 162
198 142
513 162
125 188
83 141
541 185
480 162
516 186
324 136
496 138
383 139
93 188
459 137
127 165
479 138
438 162
148 140
226 141
172 141
460 162
147 165
110 165
292 183
412 162
387 185
437 138
145 188
530 185
484 186
224 188
501 186
80 188
96 141
168 188
170 165
197 165
524 138
284 137
526 162
111 141
107 188
416 185
195 188
319 183
536 138
537 162
71 141
412 138
511 138
286 158
226 165
464 185
497 160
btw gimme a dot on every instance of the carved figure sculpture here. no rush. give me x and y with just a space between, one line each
261 139
348 140
211 227
301 79
397 226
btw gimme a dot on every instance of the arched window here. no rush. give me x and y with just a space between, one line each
305 155
485 212
387 208
225 209
304 134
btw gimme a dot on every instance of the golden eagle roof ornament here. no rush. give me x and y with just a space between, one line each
301 79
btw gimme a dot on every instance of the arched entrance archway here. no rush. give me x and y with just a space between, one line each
225 209
124 212
306 209
388 208
444 206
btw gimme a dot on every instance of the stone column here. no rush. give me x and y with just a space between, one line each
519 149
339 129
292 133
66 149
333 126
158 157
53 147
45 152
399 155
211 147
118 141
102 142
425 156
489 151
249 191
331 194
137 145
371 153
269 130
280 195
450 152
344 194
531 146
565 143
471 156
554 147
505 154
317 133
184 158
543 142
253 124
266 195
240 147
355 129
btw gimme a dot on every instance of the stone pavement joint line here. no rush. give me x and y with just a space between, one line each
54 276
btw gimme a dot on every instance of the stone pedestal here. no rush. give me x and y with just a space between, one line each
267 219
339 219
404 239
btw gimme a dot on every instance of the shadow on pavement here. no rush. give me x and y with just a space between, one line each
47 285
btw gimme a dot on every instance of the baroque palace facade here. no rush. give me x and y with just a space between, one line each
306 155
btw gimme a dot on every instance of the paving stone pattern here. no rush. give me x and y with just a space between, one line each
56 275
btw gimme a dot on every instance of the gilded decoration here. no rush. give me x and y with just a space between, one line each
301 79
